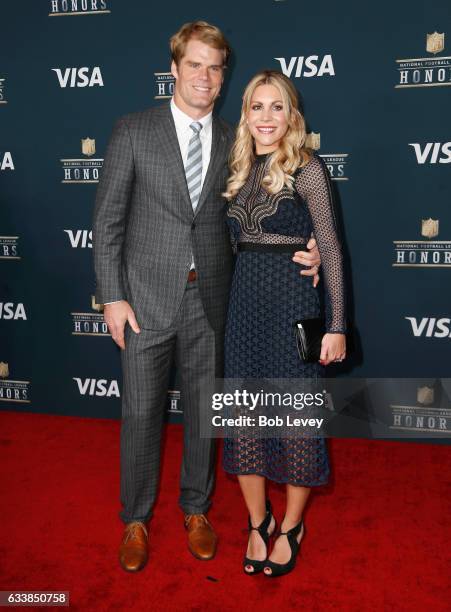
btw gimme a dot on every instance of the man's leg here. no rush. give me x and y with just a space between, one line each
195 359
196 356
146 364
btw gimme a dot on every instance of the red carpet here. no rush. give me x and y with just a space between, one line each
377 537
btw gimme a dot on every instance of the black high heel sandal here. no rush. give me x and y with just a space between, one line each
279 569
263 531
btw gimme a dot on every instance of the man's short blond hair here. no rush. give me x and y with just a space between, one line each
198 30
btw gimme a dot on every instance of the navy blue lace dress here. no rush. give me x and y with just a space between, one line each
268 295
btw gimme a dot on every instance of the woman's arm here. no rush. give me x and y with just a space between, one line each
313 185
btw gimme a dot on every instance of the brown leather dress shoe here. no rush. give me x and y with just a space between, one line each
202 539
133 552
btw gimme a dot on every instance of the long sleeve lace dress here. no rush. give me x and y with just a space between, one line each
268 296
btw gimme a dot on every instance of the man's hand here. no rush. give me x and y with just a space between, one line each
309 258
116 315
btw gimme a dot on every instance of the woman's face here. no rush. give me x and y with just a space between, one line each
266 118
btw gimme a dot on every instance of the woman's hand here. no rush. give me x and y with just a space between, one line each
333 348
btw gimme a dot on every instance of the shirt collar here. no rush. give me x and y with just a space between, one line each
183 120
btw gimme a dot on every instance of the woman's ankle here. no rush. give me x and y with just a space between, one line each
289 523
257 519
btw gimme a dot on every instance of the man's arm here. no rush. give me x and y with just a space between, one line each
110 216
309 258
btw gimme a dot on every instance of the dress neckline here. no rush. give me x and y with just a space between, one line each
261 157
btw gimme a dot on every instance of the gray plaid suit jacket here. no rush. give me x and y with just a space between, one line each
144 228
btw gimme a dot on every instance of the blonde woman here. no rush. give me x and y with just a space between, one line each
278 193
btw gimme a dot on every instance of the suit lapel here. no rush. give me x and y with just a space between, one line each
167 135
165 129
218 150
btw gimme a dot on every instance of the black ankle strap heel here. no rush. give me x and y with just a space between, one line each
263 531
279 569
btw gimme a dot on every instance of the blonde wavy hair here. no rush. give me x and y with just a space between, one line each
288 157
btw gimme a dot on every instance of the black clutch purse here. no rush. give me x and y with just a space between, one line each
309 334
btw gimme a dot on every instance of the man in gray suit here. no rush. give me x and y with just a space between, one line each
163 265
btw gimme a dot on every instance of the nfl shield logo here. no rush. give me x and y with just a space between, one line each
88 146
313 141
435 42
429 228
4 370
94 305
425 395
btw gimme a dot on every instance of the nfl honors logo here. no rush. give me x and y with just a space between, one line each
95 306
425 417
336 162
426 71
9 247
425 395
174 399
435 43
429 228
313 140
88 146
83 170
423 253
76 8
13 390
3 99
4 370
164 85
90 323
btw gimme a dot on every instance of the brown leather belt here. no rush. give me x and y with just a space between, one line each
192 276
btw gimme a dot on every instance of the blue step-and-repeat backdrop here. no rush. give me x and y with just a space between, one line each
375 84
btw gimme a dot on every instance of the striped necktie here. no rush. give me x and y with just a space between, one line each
193 166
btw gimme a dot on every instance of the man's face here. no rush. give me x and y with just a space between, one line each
199 77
